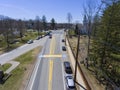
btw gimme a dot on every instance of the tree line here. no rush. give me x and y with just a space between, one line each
103 45
9 27
104 54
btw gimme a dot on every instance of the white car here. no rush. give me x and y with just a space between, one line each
70 84
30 41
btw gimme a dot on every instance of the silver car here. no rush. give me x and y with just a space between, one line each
70 85
30 41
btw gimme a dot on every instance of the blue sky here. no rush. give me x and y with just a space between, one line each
29 9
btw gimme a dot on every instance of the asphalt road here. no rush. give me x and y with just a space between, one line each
48 73
21 50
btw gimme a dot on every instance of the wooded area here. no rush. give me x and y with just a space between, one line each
105 43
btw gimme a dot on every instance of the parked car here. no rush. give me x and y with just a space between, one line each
1 74
50 36
30 41
63 40
63 48
67 67
70 85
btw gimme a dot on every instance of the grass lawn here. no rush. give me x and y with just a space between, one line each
71 32
21 74
5 67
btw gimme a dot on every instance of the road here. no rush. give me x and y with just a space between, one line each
49 73
21 50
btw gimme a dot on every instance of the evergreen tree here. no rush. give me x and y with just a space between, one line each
44 22
53 23
105 49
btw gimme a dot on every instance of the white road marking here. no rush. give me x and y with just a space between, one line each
35 73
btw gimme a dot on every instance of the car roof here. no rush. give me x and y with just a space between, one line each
63 46
67 64
70 81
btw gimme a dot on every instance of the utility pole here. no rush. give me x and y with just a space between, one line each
76 58
76 63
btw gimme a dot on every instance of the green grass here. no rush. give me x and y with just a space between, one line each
116 56
15 81
71 32
13 46
5 67
28 36
31 35
2 42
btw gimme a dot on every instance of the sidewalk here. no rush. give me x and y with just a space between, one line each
79 76
14 65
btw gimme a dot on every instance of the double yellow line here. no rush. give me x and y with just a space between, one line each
50 74
52 48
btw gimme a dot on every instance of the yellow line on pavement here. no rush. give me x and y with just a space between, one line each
50 75
52 48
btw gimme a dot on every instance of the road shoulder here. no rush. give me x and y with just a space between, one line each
72 59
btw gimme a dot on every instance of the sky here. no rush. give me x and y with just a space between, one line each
57 9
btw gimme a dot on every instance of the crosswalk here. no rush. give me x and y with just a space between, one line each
53 56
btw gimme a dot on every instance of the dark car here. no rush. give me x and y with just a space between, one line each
1 74
63 40
70 85
67 67
63 48
30 41
50 36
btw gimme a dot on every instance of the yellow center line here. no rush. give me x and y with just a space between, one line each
52 48
50 75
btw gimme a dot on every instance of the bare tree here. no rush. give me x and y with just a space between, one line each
37 24
69 18
89 10
6 31
21 27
